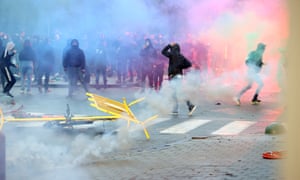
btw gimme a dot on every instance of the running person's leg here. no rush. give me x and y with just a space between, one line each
260 84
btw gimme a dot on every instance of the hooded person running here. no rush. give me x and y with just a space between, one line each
254 63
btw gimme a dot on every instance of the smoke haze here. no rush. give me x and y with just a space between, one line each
228 29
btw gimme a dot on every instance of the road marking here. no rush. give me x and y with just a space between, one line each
233 128
184 127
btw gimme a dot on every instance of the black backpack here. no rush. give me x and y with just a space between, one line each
184 62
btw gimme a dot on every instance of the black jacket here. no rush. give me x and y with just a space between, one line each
149 56
6 61
27 54
47 56
177 62
74 58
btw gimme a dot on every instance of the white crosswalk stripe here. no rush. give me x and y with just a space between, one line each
184 127
233 128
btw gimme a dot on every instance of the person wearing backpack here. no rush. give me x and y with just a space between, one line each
177 63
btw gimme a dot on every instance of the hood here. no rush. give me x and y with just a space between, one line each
176 48
74 43
261 46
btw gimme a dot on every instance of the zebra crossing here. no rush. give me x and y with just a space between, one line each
184 127
234 127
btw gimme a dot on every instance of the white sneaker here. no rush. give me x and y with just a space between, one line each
192 108
237 101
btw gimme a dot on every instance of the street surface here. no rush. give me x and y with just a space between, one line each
219 141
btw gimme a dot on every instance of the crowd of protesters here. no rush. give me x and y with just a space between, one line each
128 58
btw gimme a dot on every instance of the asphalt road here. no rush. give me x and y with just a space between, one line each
33 149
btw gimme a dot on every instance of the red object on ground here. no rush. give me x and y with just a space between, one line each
273 155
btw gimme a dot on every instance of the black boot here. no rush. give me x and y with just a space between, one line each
255 100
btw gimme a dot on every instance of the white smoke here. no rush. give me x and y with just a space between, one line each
37 152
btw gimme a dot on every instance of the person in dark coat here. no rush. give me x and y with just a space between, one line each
5 64
158 73
100 63
177 63
121 55
45 65
148 56
27 58
74 65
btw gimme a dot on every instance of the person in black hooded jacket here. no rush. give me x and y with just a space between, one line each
74 64
177 63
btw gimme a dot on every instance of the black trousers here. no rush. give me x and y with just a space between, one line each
101 71
10 78
43 71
